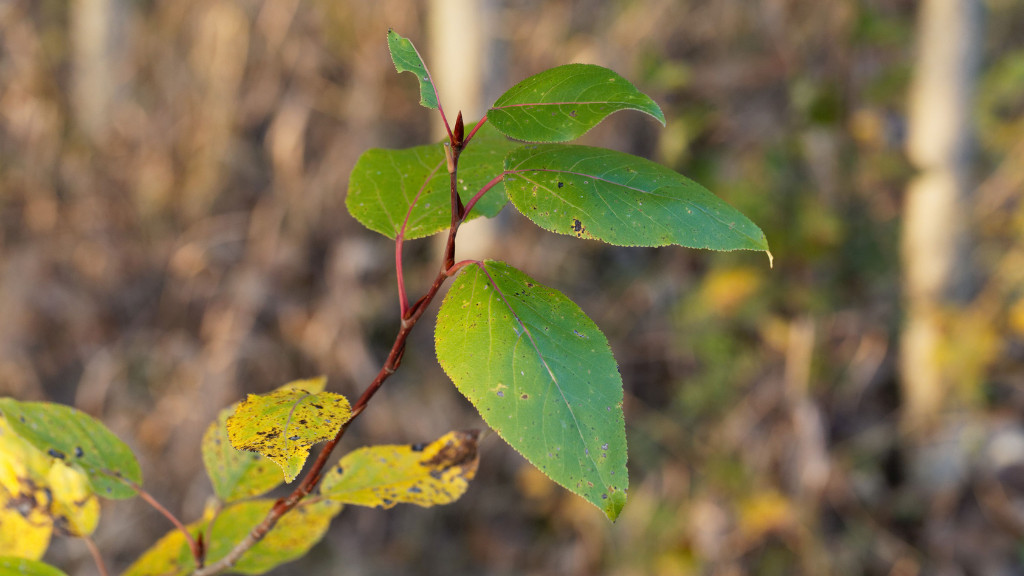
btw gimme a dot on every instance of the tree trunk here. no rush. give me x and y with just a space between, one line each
459 59
934 254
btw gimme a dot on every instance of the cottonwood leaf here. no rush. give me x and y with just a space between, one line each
426 475
285 423
11 566
78 439
292 537
235 474
622 199
385 183
541 374
407 59
563 103
37 494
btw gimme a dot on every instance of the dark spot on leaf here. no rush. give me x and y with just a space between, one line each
500 394
577 226
296 437
572 113
317 406
55 453
79 452
525 396
303 421
418 447
560 184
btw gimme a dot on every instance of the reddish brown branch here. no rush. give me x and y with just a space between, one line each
410 317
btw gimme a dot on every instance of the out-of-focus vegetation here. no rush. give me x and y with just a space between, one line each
173 235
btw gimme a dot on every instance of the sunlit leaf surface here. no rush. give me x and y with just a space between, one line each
235 474
407 59
622 199
427 475
285 423
541 374
563 103
385 183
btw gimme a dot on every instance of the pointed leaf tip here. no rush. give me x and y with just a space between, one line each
621 199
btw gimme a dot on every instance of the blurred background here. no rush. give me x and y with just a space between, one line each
173 236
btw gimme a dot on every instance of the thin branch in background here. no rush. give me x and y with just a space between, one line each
96 557
194 546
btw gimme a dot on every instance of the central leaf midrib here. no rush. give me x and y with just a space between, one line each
690 203
572 103
551 374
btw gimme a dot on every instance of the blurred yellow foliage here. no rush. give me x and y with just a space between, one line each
1016 317
725 290
765 512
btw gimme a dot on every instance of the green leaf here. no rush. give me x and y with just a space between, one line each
384 183
10 566
235 474
295 533
622 199
563 103
285 423
541 374
78 439
427 475
407 59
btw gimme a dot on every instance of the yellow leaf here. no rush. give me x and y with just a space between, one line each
383 476
285 423
725 290
74 508
24 530
235 474
765 512
39 494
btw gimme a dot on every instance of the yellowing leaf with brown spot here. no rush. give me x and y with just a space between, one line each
36 492
74 506
383 476
235 474
285 423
